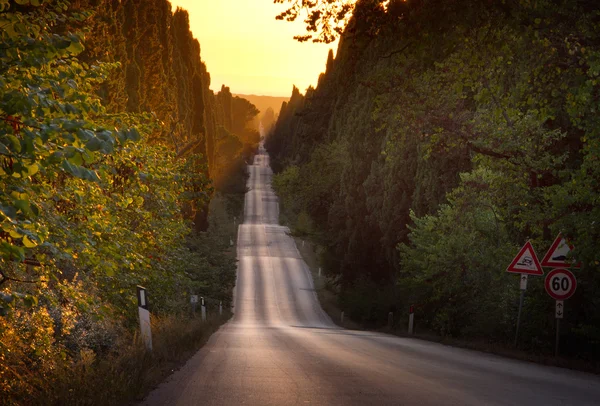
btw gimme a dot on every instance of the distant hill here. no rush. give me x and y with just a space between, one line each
264 102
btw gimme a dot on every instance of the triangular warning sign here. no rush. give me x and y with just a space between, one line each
526 262
557 255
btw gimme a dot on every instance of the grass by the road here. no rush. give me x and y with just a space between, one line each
128 376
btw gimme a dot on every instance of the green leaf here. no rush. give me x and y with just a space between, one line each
34 209
9 211
75 48
76 159
133 135
84 135
122 136
72 169
94 144
28 242
23 205
33 169
15 143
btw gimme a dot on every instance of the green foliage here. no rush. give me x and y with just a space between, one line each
99 194
455 256
462 130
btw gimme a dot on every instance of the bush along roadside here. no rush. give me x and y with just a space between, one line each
93 202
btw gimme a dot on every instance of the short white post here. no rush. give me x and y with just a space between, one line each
203 307
390 320
342 318
193 302
319 272
411 319
220 308
144 315
302 243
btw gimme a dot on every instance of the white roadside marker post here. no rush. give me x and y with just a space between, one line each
319 272
220 308
193 302
144 315
342 318
390 320
203 307
411 319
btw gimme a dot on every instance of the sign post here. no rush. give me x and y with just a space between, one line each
203 309
559 315
523 287
560 284
559 309
144 315
525 263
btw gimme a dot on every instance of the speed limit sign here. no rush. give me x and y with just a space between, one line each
560 284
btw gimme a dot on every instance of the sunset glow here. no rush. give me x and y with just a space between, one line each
246 49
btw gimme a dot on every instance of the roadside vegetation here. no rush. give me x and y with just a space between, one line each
119 167
440 138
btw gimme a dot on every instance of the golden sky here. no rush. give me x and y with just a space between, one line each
245 48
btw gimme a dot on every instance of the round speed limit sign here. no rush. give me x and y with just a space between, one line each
560 284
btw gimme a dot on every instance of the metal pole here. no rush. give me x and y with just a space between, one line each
523 287
519 315
557 337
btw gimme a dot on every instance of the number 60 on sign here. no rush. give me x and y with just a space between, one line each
560 284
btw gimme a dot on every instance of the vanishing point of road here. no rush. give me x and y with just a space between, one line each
280 348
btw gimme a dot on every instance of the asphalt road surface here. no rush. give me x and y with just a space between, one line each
280 348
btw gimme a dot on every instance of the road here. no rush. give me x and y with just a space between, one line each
280 348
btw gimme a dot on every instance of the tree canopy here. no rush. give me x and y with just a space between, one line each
112 147
441 138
